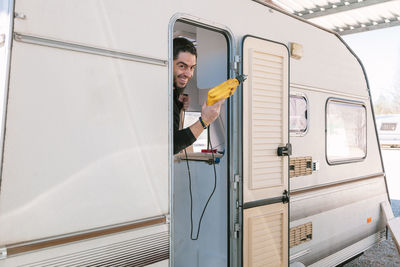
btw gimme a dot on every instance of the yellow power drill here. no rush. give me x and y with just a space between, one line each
224 90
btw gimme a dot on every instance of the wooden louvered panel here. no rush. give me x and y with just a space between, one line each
273 96
265 174
267 70
259 138
265 118
264 239
266 164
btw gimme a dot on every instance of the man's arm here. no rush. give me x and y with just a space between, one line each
182 139
185 137
208 114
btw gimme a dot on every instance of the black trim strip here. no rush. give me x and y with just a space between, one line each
263 202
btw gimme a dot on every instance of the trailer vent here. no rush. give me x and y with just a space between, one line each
300 166
300 234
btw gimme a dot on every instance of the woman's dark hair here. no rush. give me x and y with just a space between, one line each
183 45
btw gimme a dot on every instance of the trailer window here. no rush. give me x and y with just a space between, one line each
298 115
346 131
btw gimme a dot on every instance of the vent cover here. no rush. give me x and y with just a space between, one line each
300 234
300 166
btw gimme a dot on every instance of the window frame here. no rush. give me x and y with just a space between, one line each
300 95
348 160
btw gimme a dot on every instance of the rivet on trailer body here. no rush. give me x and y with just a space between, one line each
17 36
19 15
3 253
2 39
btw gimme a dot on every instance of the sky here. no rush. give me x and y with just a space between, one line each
379 51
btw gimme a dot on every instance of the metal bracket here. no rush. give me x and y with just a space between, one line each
236 180
3 253
2 39
236 230
315 166
236 211
285 150
168 218
235 63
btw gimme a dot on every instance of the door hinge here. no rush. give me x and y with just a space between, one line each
235 63
285 197
167 218
285 150
236 230
3 253
236 181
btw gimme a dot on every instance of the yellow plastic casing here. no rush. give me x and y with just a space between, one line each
221 91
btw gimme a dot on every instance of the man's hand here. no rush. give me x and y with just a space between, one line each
211 113
185 99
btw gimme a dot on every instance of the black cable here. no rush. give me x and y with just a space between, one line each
190 190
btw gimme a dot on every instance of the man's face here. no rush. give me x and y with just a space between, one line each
184 67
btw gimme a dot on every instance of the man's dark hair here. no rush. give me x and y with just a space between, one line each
183 45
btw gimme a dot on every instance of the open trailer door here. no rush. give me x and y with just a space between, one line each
265 135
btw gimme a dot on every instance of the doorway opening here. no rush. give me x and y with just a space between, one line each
200 229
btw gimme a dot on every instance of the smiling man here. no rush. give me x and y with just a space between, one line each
185 57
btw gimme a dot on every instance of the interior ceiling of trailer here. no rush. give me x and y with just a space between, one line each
345 16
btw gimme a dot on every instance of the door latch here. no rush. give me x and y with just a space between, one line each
285 150
285 197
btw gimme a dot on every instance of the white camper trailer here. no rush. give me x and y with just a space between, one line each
388 130
88 176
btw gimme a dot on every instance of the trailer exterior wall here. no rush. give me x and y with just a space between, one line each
80 162
6 24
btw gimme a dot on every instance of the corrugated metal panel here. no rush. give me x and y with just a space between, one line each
140 251
346 16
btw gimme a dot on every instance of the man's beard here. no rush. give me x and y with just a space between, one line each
178 90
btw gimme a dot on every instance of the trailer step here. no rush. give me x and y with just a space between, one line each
392 222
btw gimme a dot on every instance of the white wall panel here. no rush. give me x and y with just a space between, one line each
86 143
